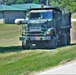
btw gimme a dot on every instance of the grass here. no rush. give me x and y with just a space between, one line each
15 61
9 34
74 15
73 23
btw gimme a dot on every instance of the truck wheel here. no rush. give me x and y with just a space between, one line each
68 39
53 43
25 45
63 40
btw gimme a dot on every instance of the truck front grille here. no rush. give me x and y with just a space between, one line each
34 28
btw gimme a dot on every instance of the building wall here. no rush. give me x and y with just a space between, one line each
1 1
10 16
1 17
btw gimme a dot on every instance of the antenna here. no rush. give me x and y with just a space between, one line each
5 2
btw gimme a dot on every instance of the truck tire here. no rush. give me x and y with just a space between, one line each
63 40
25 45
68 39
53 43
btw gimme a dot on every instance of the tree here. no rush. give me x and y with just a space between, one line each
68 5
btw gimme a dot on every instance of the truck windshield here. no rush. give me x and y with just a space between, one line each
41 15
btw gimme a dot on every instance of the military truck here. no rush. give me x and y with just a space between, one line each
46 27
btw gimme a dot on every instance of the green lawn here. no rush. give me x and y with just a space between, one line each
74 15
9 35
73 23
15 61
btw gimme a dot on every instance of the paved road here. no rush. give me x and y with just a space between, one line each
65 69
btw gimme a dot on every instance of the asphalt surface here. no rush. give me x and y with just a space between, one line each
69 69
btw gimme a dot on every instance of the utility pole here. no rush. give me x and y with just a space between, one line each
5 1
47 2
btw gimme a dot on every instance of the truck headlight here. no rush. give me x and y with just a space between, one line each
48 32
22 31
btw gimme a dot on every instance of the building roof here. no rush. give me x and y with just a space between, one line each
28 6
19 7
9 8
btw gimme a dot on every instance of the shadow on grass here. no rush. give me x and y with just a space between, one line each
10 49
19 48
35 48
72 44
67 45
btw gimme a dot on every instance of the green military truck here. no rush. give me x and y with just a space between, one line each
46 27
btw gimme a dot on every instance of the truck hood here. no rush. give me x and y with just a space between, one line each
39 21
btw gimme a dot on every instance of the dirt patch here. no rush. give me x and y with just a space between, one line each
65 61
73 34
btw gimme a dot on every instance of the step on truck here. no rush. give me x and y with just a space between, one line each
46 27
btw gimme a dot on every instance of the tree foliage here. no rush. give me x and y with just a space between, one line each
69 5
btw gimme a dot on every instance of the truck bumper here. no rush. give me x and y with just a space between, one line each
35 38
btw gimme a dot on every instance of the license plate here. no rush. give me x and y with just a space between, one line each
37 38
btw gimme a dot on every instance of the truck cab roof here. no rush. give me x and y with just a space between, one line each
33 11
49 8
